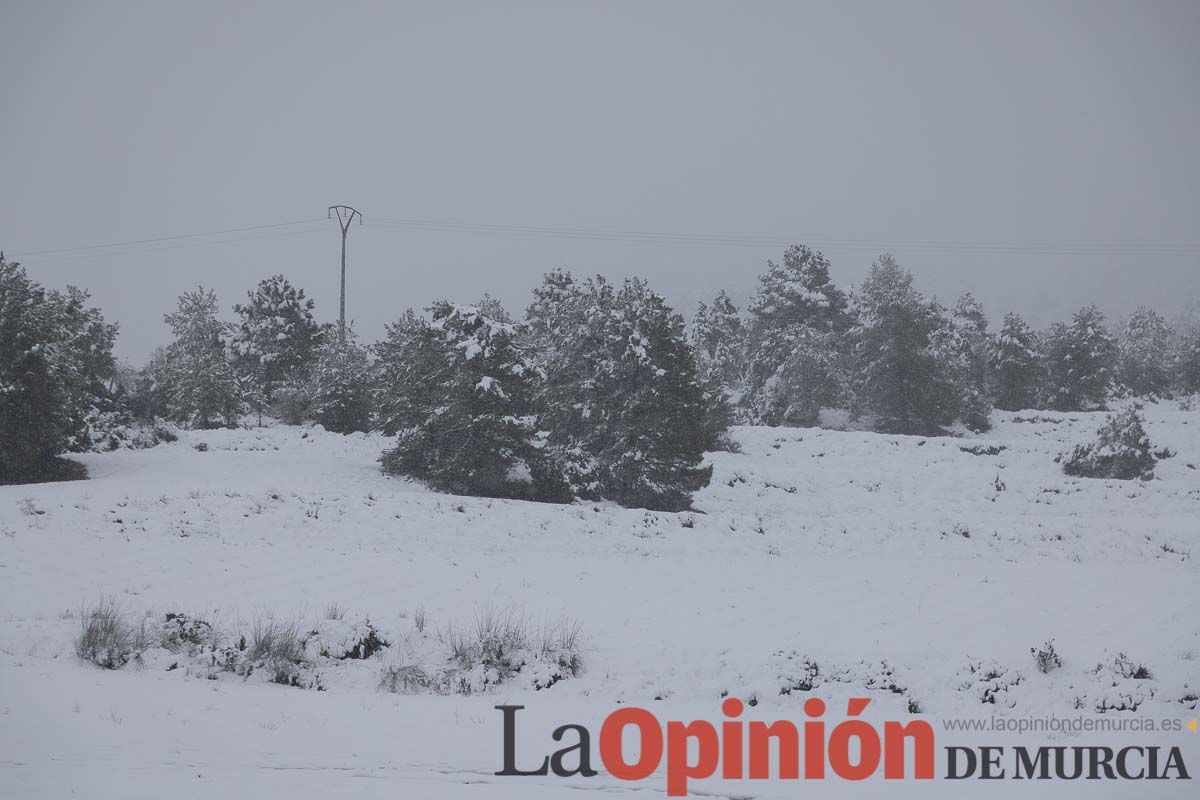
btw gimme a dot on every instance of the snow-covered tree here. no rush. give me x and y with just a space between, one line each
626 412
1080 361
718 340
971 366
718 337
1187 360
796 359
276 337
199 385
341 385
477 435
410 367
658 411
55 359
1016 364
902 345
1145 360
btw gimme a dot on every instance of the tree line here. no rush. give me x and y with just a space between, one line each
599 391
903 363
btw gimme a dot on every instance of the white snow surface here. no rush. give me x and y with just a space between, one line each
886 560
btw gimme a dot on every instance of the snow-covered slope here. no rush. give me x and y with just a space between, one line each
902 566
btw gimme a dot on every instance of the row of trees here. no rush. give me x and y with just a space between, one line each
599 391
909 364
594 395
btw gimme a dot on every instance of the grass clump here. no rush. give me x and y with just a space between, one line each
107 638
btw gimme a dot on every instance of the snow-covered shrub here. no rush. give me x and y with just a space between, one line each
797 673
1122 450
107 431
279 648
1121 684
990 682
183 633
1126 667
292 404
1046 657
107 637
503 645
403 679
340 638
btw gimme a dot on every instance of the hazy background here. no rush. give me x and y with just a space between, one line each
959 122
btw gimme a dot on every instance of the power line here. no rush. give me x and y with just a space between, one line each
136 251
156 239
925 246
935 246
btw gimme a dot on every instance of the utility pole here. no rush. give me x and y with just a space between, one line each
345 215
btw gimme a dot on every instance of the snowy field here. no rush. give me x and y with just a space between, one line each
906 568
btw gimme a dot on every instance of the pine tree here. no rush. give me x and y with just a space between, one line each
971 365
1187 360
570 325
900 344
55 355
718 338
658 411
628 416
1080 360
796 341
341 385
411 367
478 436
276 337
1145 357
199 385
1016 361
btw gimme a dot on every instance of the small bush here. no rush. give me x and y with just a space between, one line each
984 450
279 648
107 638
501 645
1122 450
182 633
991 683
725 443
1126 667
403 679
342 638
1046 657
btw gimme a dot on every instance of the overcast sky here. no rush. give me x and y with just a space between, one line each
896 122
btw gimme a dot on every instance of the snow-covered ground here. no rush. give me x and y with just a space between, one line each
906 568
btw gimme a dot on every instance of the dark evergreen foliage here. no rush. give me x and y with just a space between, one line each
55 357
474 427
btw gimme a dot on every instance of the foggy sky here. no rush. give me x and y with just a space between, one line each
896 121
